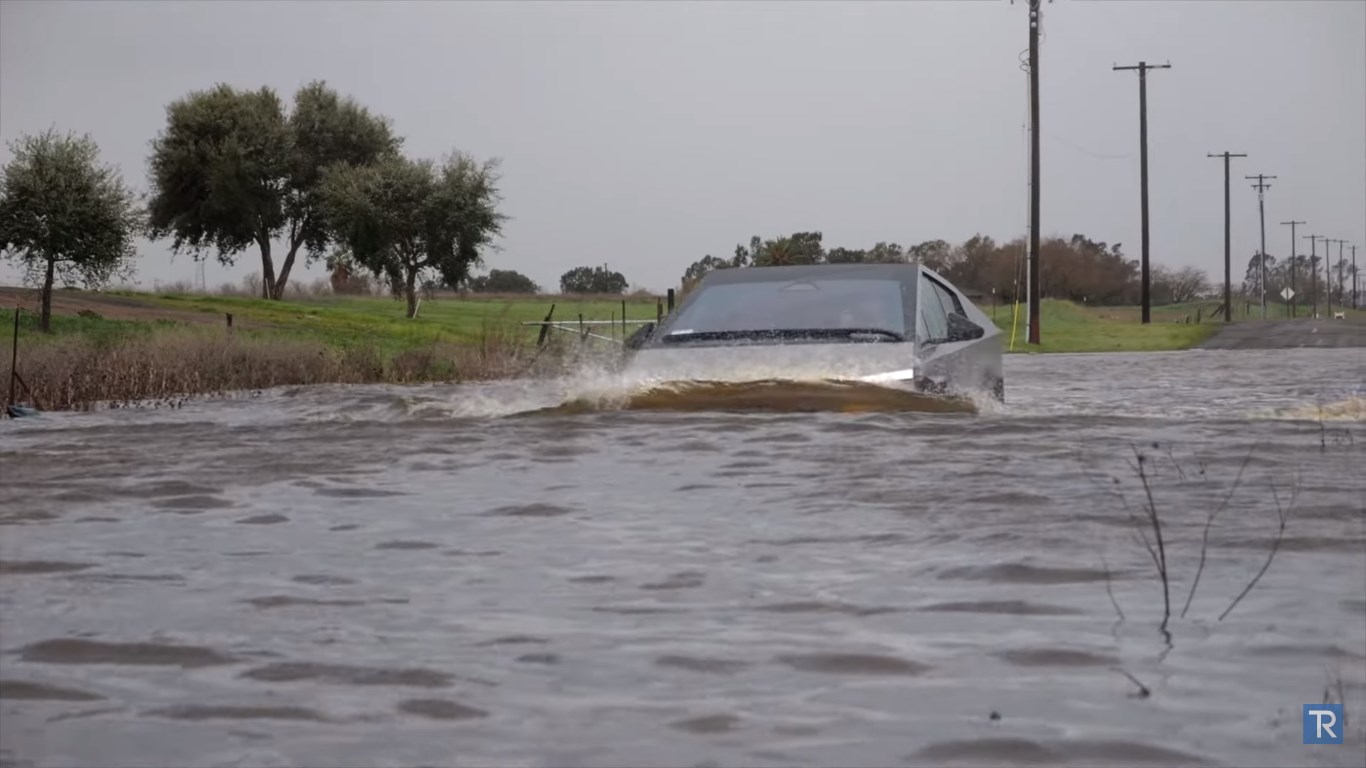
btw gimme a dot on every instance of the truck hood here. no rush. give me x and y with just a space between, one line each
765 362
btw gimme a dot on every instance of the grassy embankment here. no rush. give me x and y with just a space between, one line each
145 347
1068 327
137 346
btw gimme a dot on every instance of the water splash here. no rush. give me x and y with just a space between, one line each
1351 409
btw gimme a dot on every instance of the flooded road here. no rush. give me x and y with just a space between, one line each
453 576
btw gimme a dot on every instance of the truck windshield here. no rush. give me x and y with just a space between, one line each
799 305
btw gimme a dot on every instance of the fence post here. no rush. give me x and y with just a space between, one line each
545 327
14 355
671 300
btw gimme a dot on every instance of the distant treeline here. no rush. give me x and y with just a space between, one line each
1313 278
1079 269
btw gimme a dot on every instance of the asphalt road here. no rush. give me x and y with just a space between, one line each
1289 334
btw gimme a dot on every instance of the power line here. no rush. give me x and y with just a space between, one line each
1293 258
1143 68
1261 186
1228 276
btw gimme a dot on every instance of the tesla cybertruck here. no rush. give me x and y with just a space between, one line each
900 325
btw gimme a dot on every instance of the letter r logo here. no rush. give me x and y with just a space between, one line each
1323 724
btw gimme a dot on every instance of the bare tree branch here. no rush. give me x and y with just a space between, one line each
1156 522
1108 590
1284 514
1209 522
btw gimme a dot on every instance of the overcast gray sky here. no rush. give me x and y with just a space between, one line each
645 135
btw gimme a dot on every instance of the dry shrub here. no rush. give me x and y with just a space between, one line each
501 351
78 373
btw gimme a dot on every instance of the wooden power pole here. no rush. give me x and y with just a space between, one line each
1035 21
1143 68
1293 258
1228 259
1261 186
1314 267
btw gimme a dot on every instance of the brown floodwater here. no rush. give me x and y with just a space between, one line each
562 574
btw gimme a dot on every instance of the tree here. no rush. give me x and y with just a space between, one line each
1252 279
402 218
886 253
797 248
699 269
592 280
935 254
64 215
231 171
1177 286
503 281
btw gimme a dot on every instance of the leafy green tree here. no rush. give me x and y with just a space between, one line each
63 215
886 253
745 257
592 280
503 281
231 170
699 269
935 254
797 248
402 218
846 256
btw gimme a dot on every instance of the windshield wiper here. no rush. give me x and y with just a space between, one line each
853 334
876 333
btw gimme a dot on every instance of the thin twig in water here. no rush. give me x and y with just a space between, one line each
1109 591
1138 525
1181 473
1284 514
1209 522
1156 521
1143 691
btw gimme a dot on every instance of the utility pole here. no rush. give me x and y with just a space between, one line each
1314 268
1143 68
1354 276
1261 186
1328 270
1035 21
1228 276
1292 262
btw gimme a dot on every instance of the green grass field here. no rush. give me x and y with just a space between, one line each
342 321
380 322
1068 327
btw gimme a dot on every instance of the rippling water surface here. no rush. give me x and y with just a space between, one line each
458 576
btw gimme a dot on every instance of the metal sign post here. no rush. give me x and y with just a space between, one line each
1287 294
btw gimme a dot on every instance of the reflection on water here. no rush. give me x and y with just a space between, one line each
407 576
